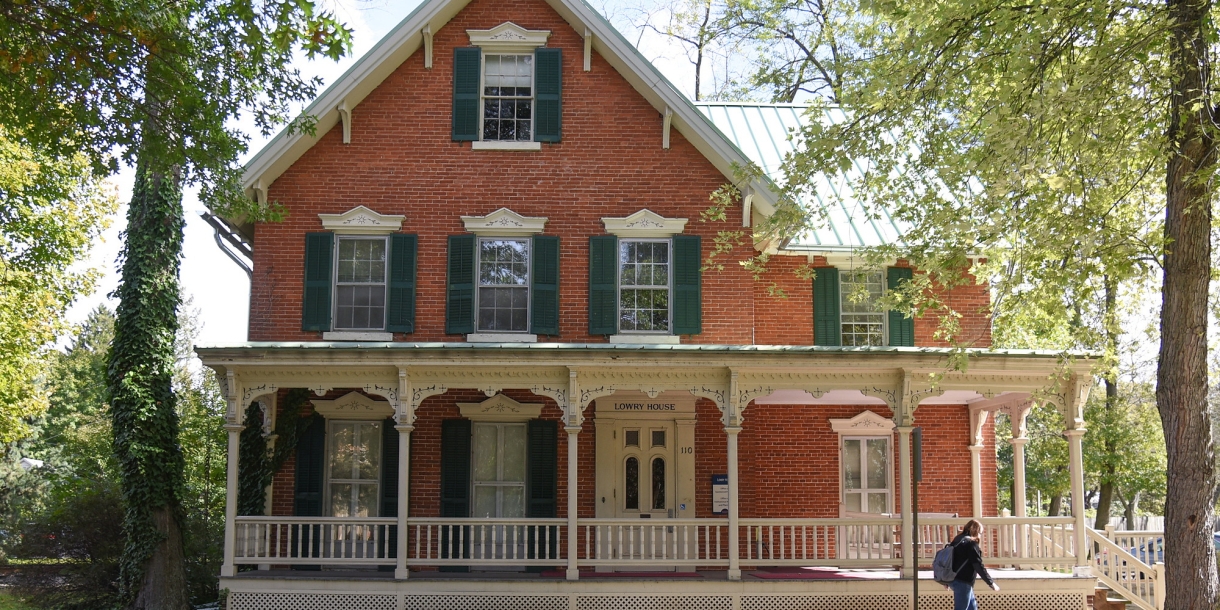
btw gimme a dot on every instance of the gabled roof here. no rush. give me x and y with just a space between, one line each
407 37
768 133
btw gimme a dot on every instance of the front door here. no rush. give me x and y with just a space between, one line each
646 469
645 478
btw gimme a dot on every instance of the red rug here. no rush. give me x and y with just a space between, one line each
803 574
590 574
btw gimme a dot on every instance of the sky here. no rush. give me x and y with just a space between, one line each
214 286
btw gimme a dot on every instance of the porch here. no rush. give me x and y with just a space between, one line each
692 552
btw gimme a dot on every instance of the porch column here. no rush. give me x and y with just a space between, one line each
976 483
734 551
905 509
1076 469
228 568
1018 488
404 495
573 572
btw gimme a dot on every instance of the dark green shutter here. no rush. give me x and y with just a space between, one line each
459 301
826 328
319 249
548 105
466 68
603 285
542 481
455 486
309 481
902 328
400 306
389 488
688 309
543 438
545 292
310 467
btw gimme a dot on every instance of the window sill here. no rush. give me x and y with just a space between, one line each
356 336
646 339
501 338
494 145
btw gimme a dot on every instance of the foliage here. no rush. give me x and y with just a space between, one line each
257 464
51 209
160 80
76 496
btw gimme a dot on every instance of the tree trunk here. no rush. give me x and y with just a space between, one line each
1056 506
1181 389
142 401
1109 472
1129 510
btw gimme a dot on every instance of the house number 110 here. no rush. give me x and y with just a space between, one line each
686 450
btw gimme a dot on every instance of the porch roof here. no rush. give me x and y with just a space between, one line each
206 351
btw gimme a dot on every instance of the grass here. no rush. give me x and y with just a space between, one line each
8 602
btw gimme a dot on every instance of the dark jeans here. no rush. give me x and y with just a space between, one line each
963 596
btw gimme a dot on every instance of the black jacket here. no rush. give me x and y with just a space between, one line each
968 560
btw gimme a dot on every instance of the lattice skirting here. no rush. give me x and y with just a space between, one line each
345 601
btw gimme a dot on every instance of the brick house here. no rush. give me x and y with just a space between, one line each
526 391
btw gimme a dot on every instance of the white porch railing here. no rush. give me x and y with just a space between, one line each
1142 584
314 540
820 542
480 541
653 542
1037 542
1031 542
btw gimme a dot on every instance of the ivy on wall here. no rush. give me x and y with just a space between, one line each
257 464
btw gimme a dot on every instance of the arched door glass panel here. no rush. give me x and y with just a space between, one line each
632 495
658 483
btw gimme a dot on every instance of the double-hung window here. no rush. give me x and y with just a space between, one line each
508 97
355 468
504 285
866 478
360 283
644 285
499 470
861 318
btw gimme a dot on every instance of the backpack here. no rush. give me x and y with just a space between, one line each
942 565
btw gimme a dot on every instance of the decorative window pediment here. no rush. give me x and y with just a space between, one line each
864 424
508 37
353 405
362 221
500 408
504 223
644 223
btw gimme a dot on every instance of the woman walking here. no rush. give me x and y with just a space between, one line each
968 561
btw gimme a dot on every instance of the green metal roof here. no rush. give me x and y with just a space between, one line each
767 134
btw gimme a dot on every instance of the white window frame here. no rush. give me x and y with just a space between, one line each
843 294
864 491
499 483
330 423
865 424
669 302
529 282
334 282
507 38
483 97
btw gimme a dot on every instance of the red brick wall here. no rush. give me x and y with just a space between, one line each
401 161
788 319
788 459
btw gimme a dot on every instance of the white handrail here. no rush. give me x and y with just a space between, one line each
485 541
849 542
313 540
653 542
1140 583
